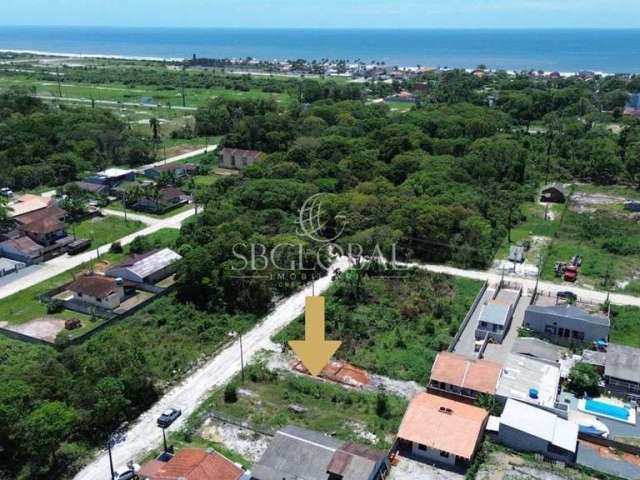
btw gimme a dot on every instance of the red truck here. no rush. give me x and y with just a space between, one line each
570 273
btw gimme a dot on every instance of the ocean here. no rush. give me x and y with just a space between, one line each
612 51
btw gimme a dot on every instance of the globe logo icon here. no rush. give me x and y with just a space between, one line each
312 219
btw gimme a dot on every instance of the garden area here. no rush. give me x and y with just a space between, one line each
393 326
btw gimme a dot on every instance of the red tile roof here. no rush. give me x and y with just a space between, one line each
443 424
192 464
455 369
239 151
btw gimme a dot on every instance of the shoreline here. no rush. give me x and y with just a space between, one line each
182 59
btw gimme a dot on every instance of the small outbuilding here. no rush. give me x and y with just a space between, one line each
150 267
494 321
528 428
622 370
456 375
554 193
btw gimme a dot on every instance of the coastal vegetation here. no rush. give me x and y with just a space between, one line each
445 182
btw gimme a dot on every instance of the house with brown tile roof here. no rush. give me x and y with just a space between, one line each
438 429
98 290
459 376
192 464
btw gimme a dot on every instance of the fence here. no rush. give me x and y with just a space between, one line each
607 442
468 316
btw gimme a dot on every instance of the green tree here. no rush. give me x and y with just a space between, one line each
47 427
584 379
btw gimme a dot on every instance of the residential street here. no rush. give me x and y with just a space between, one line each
66 262
177 158
144 435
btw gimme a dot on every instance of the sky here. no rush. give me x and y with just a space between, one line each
326 13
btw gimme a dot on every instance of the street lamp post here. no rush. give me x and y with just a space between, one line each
109 442
164 440
235 334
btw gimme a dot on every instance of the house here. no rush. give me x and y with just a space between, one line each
632 206
494 321
622 370
530 429
239 159
22 249
45 226
167 197
177 170
439 429
554 193
457 375
191 464
566 324
296 453
28 203
539 349
93 188
98 290
528 380
150 267
112 177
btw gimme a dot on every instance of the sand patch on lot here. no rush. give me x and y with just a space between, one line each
43 328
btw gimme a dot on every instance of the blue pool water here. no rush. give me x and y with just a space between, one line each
594 406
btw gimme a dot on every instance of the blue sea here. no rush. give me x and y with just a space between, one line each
613 51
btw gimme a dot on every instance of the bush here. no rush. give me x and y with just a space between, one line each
584 379
55 306
139 245
231 393
116 247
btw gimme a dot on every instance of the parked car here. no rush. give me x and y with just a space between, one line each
567 296
570 273
168 417
78 246
126 472
6 192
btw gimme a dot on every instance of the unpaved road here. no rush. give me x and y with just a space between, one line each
66 262
144 435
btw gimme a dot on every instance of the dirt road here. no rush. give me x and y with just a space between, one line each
144 435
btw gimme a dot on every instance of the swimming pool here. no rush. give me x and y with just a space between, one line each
607 410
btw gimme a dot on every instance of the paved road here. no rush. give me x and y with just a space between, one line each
146 219
113 103
584 294
66 262
144 435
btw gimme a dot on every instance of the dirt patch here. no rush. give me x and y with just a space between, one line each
339 372
43 328
509 466
582 202
181 150
607 453
251 445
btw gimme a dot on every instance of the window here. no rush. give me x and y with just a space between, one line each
577 335
561 332
422 447
549 330
444 454
567 332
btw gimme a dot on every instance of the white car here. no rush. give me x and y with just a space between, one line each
127 472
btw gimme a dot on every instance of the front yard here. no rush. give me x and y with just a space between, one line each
104 230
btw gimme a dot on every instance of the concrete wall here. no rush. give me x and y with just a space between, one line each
432 455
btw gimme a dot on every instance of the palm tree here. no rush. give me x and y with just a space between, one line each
154 123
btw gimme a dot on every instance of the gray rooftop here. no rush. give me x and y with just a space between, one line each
570 311
495 313
8 264
622 362
536 348
521 373
594 357
299 454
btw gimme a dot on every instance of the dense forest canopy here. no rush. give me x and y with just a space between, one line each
44 145
443 183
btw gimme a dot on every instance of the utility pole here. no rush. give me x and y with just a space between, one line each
110 457
184 101
59 84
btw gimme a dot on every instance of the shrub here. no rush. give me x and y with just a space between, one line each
55 306
231 393
116 247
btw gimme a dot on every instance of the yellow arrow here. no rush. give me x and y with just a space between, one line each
314 351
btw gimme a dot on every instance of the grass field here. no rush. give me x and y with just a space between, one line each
625 325
264 401
397 325
104 230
